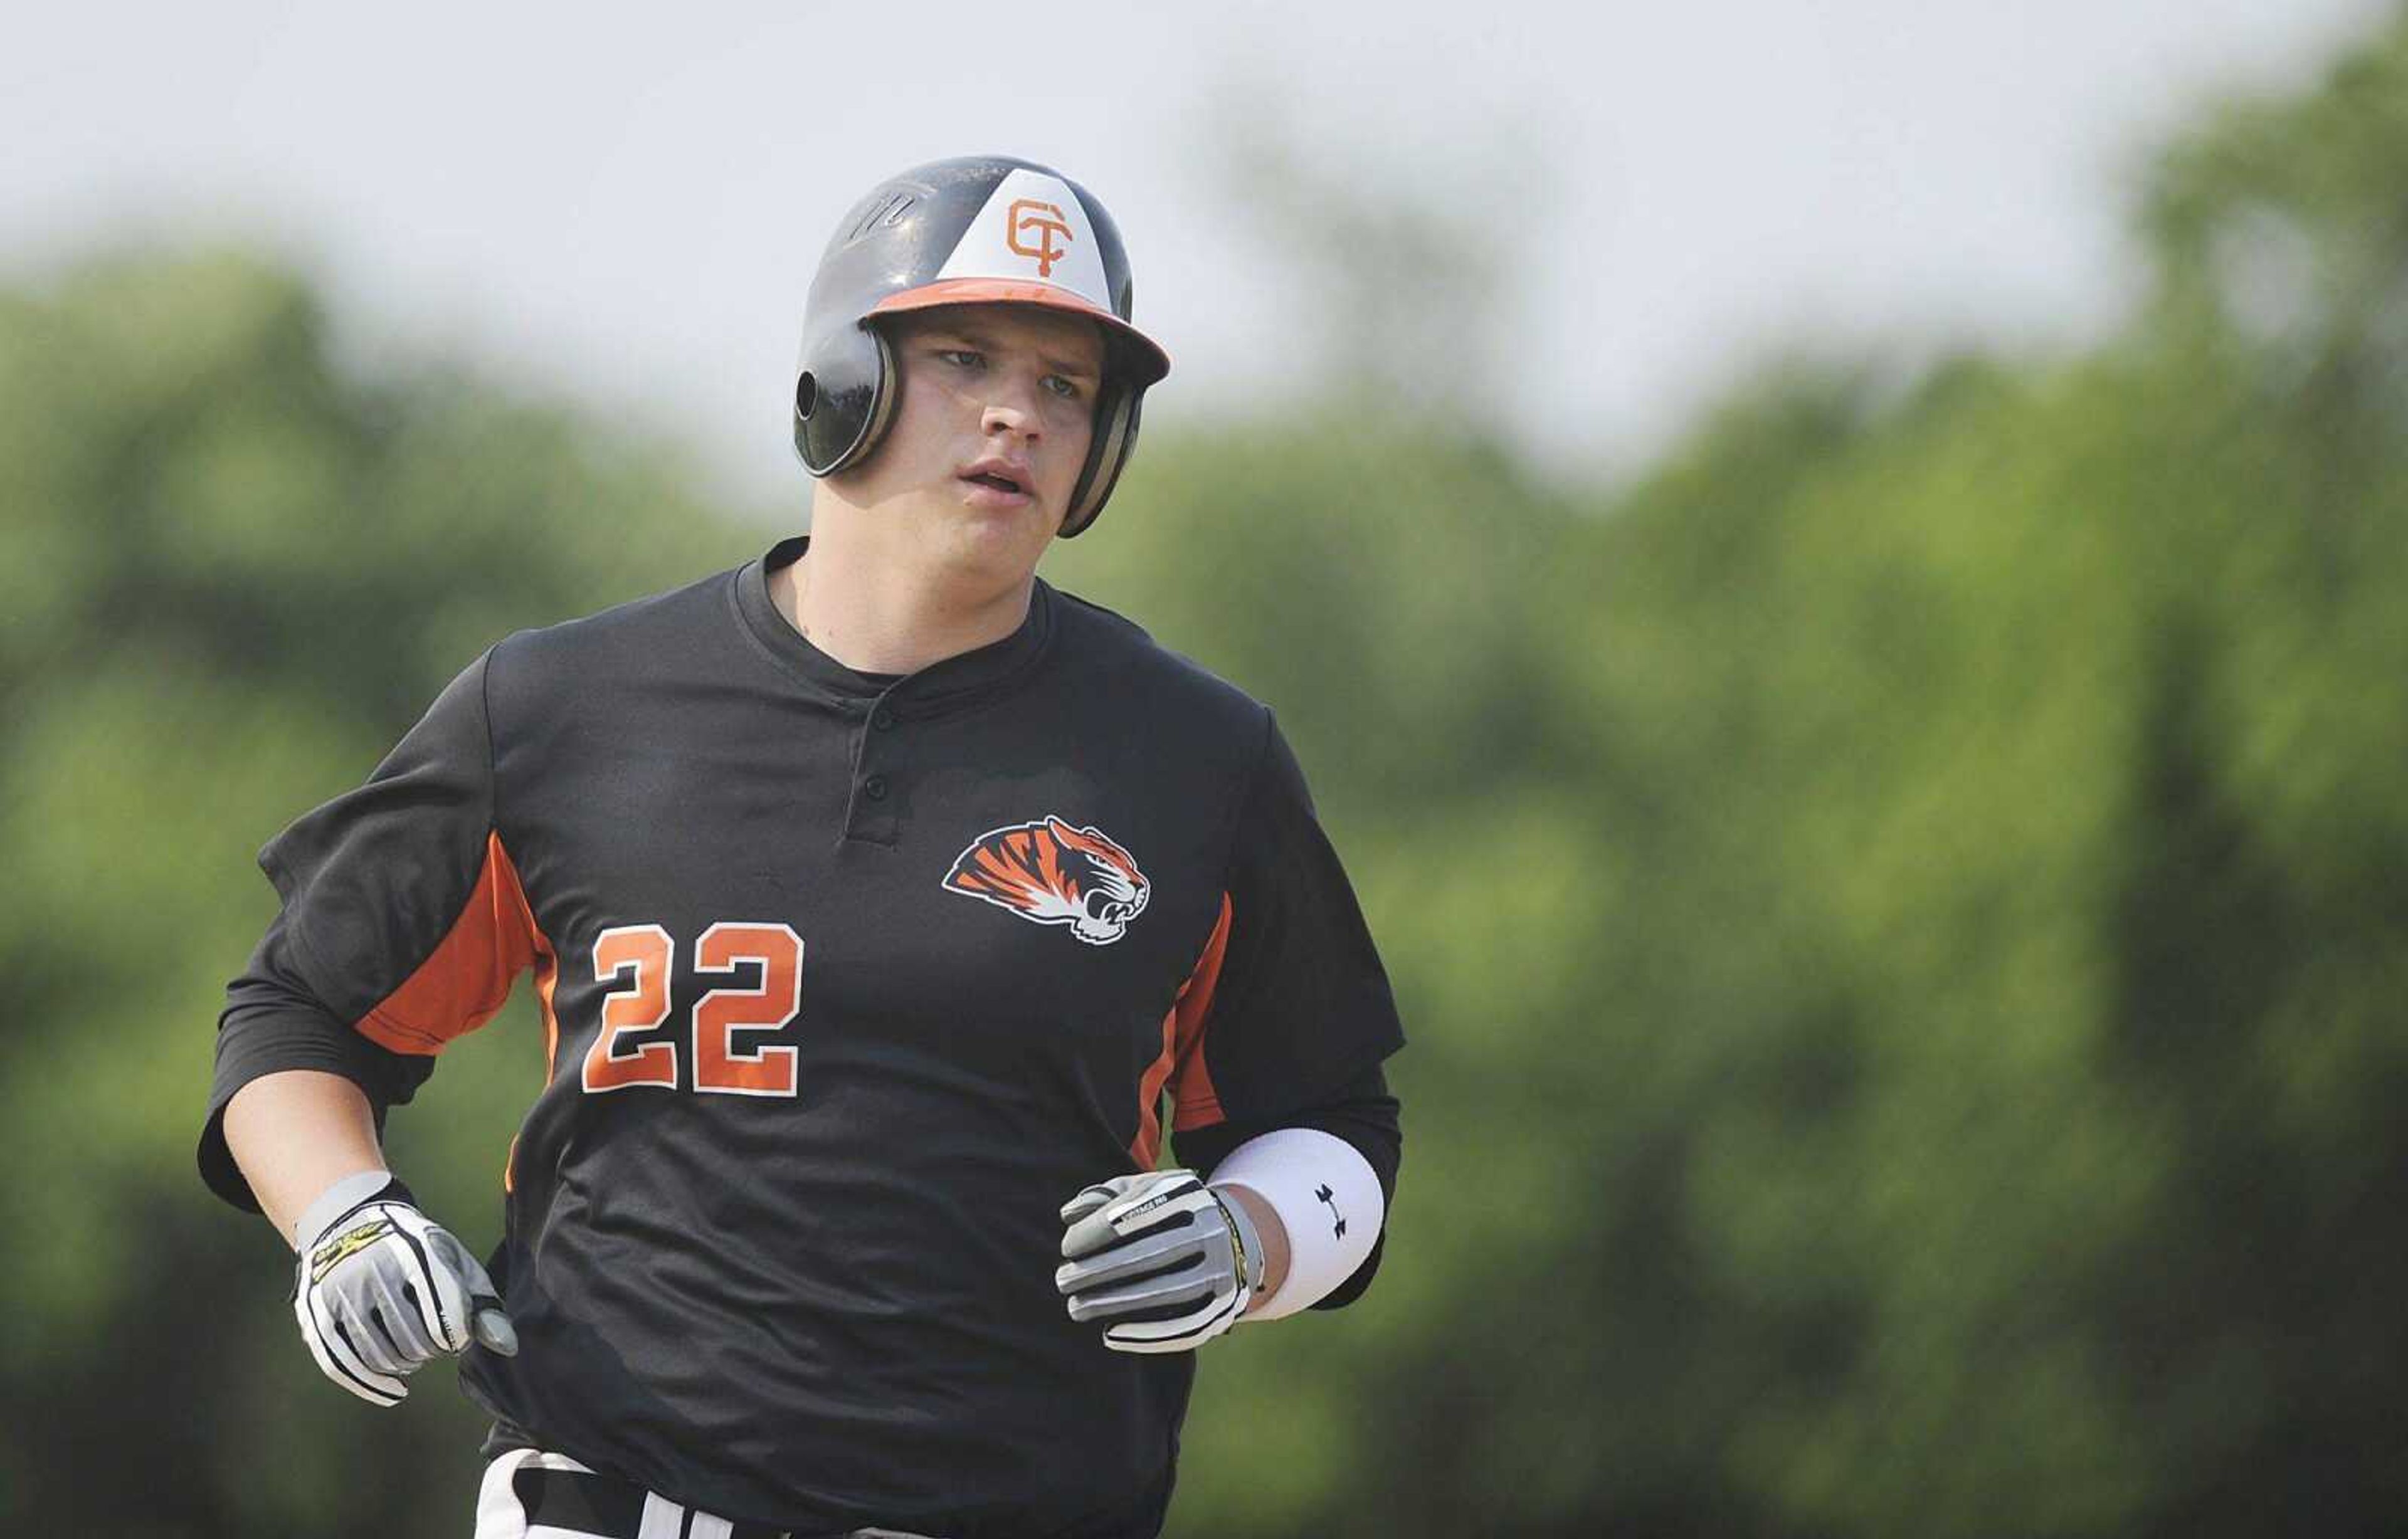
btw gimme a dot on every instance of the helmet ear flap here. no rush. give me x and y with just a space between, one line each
1115 438
883 401
843 408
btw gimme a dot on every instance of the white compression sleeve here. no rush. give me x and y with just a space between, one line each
1327 1197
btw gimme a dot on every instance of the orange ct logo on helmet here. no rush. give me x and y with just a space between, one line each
1049 872
1026 214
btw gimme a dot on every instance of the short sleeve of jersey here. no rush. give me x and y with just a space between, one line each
402 927
1300 1004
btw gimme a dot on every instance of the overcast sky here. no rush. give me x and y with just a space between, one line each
581 197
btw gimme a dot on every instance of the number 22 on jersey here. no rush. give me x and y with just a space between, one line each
639 960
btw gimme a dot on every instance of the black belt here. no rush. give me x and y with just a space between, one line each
607 1507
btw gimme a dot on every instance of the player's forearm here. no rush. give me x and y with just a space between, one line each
296 1133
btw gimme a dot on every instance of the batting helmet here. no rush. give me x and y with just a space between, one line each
980 229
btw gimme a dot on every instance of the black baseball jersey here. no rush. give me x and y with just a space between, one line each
847 982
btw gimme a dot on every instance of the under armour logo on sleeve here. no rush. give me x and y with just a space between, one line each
1337 1230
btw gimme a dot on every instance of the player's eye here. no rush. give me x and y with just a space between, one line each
1065 387
961 358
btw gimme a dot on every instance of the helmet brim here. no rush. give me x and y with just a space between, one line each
1144 357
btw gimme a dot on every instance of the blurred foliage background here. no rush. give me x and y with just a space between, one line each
1901 908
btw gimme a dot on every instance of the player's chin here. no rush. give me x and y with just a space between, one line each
995 543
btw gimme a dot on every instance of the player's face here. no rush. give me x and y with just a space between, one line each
990 433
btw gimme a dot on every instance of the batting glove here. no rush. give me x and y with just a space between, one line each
1161 1257
380 1290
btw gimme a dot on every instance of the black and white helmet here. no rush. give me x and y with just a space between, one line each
977 230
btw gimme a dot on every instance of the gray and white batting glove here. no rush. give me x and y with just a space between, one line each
380 1290
1161 1257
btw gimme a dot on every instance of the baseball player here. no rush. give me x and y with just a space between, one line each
887 909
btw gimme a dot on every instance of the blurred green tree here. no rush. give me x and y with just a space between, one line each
1906 924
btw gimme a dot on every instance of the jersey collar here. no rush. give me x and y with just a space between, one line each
945 685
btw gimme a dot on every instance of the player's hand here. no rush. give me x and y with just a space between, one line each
1161 1258
380 1290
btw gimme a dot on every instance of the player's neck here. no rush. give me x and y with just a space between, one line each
879 617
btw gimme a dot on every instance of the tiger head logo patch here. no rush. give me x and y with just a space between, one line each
1050 873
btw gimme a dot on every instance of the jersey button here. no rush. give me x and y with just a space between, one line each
883 720
875 788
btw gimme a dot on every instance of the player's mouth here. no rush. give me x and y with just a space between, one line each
998 482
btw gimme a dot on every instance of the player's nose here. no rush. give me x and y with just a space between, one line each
1000 417
1012 405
